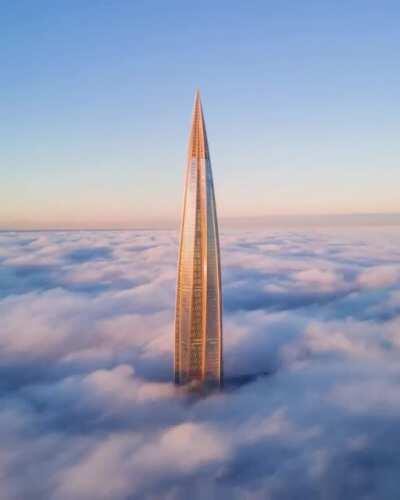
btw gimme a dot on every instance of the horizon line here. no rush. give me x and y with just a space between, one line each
271 220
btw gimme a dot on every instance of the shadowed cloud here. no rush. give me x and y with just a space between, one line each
89 253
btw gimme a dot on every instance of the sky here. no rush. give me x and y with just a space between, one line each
311 403
301 102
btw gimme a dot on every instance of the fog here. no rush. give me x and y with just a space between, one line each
311 355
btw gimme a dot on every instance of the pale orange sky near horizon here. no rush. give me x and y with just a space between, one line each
274 221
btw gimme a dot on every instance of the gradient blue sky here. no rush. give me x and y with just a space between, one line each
301 102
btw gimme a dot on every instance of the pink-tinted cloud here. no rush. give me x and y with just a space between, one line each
311 343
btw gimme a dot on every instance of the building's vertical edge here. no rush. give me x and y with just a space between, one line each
204 230
214 310
183 314
219 291
178 307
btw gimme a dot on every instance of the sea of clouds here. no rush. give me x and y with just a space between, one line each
311 407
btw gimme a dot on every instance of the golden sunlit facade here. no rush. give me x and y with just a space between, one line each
198 322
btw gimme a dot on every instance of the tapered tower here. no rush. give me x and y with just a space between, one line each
198 322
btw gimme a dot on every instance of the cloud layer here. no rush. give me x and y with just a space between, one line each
311 349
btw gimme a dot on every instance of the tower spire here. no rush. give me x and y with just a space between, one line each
198 322
198 144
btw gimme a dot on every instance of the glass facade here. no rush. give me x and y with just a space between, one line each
198 322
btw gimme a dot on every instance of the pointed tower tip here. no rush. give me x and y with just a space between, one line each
198 145
197 98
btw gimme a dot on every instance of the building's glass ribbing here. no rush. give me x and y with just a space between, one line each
198 322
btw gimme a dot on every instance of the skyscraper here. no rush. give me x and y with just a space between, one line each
198 322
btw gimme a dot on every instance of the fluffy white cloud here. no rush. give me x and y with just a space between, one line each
311 345
379 276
